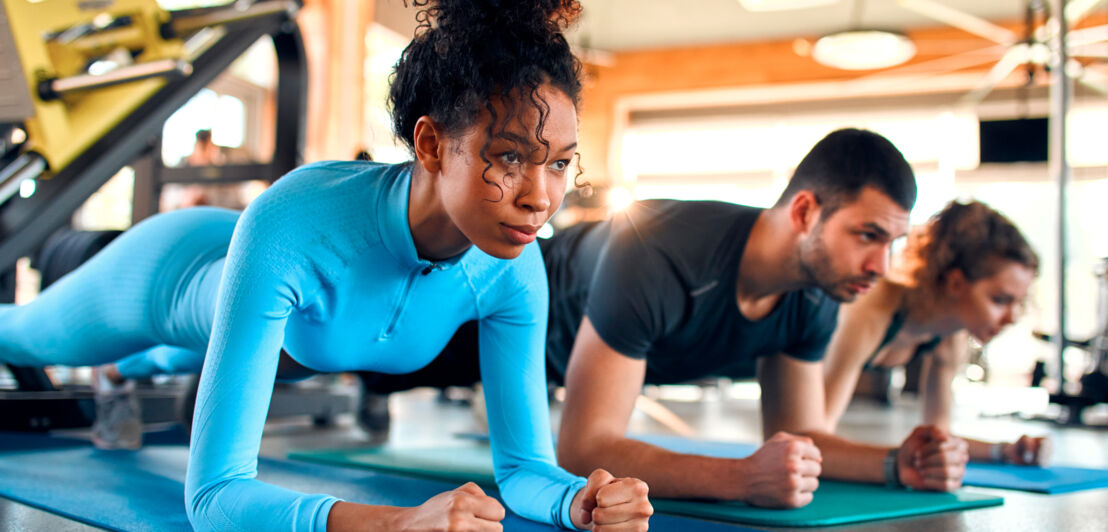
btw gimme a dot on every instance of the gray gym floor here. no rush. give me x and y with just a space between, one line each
419 417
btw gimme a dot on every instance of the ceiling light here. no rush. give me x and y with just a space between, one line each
782 5
863 49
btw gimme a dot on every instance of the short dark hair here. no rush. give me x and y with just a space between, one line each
465 52
846 161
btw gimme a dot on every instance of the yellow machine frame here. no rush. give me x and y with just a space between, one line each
64 127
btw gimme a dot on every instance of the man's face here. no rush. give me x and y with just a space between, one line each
848 251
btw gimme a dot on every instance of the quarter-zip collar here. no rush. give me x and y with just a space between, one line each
395 231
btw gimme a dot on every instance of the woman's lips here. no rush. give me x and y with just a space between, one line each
520 234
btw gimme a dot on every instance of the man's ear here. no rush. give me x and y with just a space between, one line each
804 211
429 143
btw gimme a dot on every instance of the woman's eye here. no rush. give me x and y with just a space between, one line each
510 157
560 165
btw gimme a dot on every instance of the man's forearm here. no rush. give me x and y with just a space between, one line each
668 474
844 459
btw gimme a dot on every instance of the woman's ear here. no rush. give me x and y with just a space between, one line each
429 143
804 211
955 282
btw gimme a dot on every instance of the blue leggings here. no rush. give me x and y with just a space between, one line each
148 296
161 360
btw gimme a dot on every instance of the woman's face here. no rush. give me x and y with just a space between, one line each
988 305
500 205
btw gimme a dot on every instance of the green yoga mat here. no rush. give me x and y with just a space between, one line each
836 503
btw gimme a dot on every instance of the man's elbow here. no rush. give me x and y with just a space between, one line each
578 453
811 429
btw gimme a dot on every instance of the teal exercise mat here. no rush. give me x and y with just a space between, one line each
836 503
1050 480
143 490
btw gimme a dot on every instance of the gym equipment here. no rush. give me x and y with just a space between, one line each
79 124
1094 382
67 249
80 127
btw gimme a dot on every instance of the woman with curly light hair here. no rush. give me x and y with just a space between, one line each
965 273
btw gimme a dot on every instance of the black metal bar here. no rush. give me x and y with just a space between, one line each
147 190
292 100
214 175
31 379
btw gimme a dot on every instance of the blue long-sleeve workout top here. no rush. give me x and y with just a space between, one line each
321 264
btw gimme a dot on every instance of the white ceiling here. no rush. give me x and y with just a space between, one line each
624 25
621 25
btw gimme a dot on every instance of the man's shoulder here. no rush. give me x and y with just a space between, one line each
817 305
683 212
684 225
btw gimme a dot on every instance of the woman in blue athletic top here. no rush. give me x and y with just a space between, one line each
966 273
357 265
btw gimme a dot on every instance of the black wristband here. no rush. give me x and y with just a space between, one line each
892 472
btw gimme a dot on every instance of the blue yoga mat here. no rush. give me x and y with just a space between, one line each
144 490
33 441
1053 479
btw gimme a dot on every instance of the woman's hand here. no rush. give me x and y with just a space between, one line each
465 508
608 504
1027 450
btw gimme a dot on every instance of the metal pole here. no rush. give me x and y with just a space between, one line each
54 89
1061 93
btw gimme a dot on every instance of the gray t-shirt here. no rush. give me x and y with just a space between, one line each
658 282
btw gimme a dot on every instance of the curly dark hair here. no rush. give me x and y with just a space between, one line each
465 52
971 237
